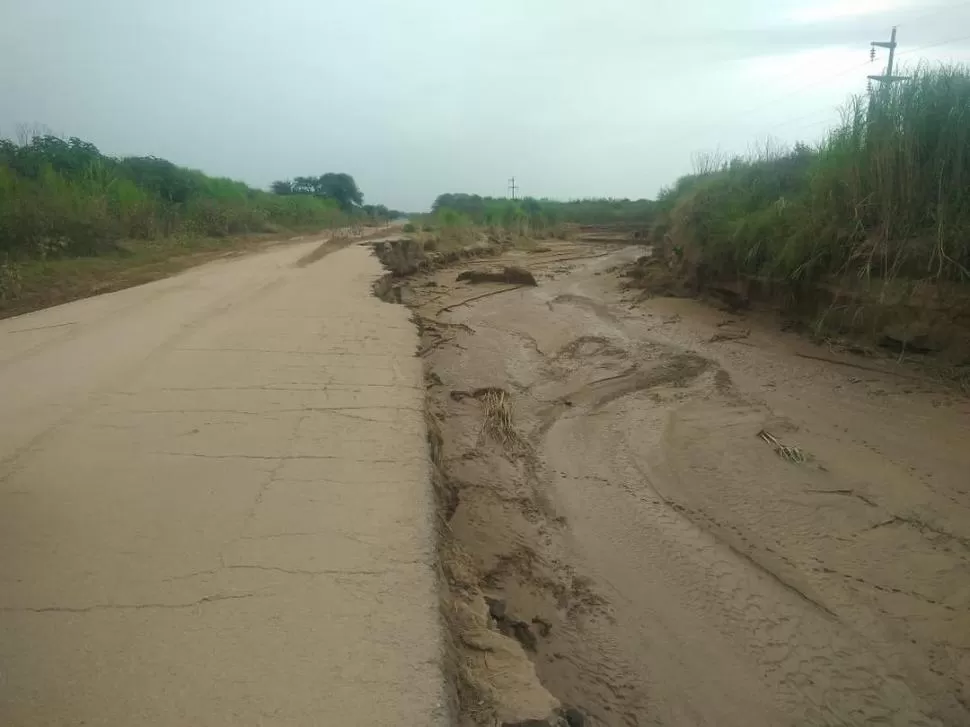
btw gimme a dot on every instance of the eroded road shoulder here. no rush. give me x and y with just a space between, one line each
215 507
677 520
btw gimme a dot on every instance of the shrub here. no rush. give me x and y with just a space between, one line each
64 198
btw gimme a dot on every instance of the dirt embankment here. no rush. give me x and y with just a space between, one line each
926 320
662 513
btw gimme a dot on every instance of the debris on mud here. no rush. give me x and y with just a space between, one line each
511 274
497 410
792 454
490 293
730 335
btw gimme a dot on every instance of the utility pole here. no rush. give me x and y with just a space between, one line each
512 188
888 76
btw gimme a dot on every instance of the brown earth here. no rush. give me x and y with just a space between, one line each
660 513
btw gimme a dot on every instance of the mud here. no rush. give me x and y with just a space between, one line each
656 513
516 275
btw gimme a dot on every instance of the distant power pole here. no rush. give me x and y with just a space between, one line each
512 188
888 76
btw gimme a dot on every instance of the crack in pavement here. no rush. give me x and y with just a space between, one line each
291 410
290 386
297 571
270 458
288 352
132 606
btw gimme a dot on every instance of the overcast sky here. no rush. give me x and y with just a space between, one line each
419 97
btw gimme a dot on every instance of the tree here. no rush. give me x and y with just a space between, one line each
342 188
339 187
282 186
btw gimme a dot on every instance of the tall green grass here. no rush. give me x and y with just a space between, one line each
885 196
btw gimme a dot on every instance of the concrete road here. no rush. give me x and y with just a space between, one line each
215 504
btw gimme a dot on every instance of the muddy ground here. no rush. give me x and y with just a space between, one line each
660 513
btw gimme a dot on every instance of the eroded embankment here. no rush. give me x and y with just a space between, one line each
494 678
925 321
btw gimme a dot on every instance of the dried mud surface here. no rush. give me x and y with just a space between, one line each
663 514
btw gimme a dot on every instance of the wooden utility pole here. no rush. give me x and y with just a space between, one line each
888 76
512 188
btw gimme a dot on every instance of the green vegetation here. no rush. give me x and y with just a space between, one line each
69 211
63 198
532 216
885 197
600 211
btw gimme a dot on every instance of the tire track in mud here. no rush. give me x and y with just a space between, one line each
723 590
818 657
736 587
685 621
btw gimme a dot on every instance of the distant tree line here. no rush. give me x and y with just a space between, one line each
63 197
534 215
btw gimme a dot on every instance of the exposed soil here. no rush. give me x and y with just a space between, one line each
661 513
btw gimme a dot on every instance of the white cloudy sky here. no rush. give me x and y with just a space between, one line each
418 97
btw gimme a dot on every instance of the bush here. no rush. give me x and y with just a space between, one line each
408 227
64 198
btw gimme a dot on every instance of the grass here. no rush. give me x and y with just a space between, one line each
886 196
443 231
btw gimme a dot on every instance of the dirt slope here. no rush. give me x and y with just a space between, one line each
607 491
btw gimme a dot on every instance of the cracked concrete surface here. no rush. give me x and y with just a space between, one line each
215 504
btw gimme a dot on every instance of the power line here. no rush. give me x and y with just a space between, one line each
813 123
891 44
772 102
512 188
936 45
826 113
817 82
932 12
